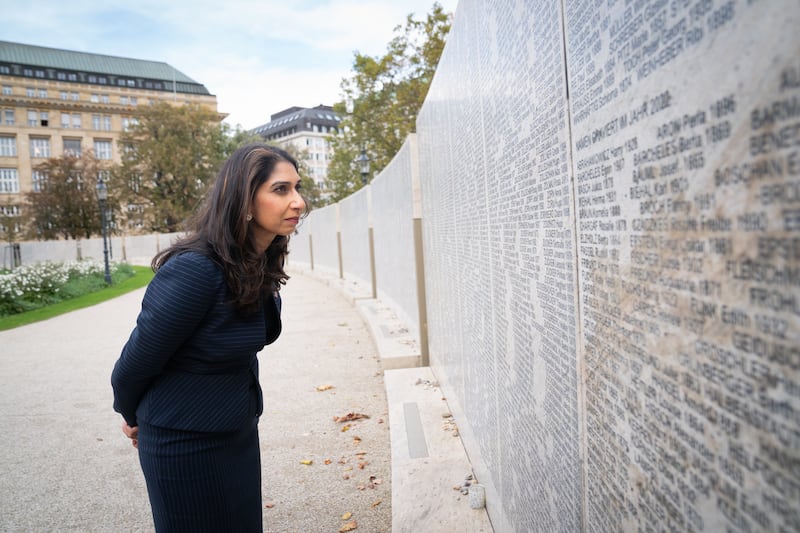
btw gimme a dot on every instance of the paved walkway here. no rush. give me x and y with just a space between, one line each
67 467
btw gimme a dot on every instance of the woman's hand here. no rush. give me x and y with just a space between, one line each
132 433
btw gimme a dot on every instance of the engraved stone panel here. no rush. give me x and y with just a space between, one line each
685 136
324 233
393 223
354 224
500 271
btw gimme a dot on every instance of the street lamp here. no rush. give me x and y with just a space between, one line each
102 197
363 165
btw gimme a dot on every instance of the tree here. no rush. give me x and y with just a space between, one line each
65 204
386 94
169 157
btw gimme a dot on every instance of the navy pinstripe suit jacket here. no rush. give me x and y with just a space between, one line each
190 362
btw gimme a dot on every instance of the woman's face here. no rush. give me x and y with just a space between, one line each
277 205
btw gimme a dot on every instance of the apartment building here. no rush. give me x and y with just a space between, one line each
57 101
307 129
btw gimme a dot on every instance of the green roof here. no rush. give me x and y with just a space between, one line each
40 56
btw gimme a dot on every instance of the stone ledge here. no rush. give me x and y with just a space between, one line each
428 459
397 347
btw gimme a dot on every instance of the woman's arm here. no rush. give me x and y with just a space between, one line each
177 299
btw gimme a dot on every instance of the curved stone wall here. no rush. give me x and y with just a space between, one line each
610 207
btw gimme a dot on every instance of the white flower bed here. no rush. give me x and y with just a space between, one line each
39 279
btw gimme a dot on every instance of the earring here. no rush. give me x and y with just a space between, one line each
249 217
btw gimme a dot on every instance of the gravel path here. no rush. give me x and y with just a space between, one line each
67 467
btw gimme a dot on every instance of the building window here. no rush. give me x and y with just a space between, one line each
42 93
102 149
123 100
72 77
104 99
9 180
61 76
30 92
92 78
74 97
27 72
106 122
40 74
128 122
76 121
39 179
7 90
5 69
95 98
64 95
44 118
8 146
40 147
33 119
65 120
102 80
72 147
95 122
8 117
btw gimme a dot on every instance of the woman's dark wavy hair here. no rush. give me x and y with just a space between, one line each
220 229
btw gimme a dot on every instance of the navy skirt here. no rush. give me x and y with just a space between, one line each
202 482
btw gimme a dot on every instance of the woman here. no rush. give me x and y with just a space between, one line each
186 382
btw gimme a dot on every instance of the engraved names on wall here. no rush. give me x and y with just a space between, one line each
686 157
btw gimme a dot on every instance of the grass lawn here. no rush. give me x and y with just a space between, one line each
142 277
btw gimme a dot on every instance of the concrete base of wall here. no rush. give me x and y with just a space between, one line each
429 463
397 348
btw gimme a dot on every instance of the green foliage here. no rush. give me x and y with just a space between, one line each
40 284
169 157
238 137
66 205
137 277
386 94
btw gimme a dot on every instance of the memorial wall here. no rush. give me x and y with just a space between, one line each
611 213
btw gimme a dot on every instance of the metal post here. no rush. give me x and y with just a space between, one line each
105 240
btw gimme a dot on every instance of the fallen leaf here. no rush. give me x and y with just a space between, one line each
346 516
345 428
376 503
349 417
345 476
361 452
361 487
328 461
362 464
270 505
350 526
306 462
356 440
323 388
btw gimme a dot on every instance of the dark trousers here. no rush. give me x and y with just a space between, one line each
202 482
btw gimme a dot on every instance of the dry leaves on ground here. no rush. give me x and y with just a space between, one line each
350 526
349 417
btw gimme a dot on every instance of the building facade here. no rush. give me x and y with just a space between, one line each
307 130
56 102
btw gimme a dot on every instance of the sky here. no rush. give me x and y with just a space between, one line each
257 56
